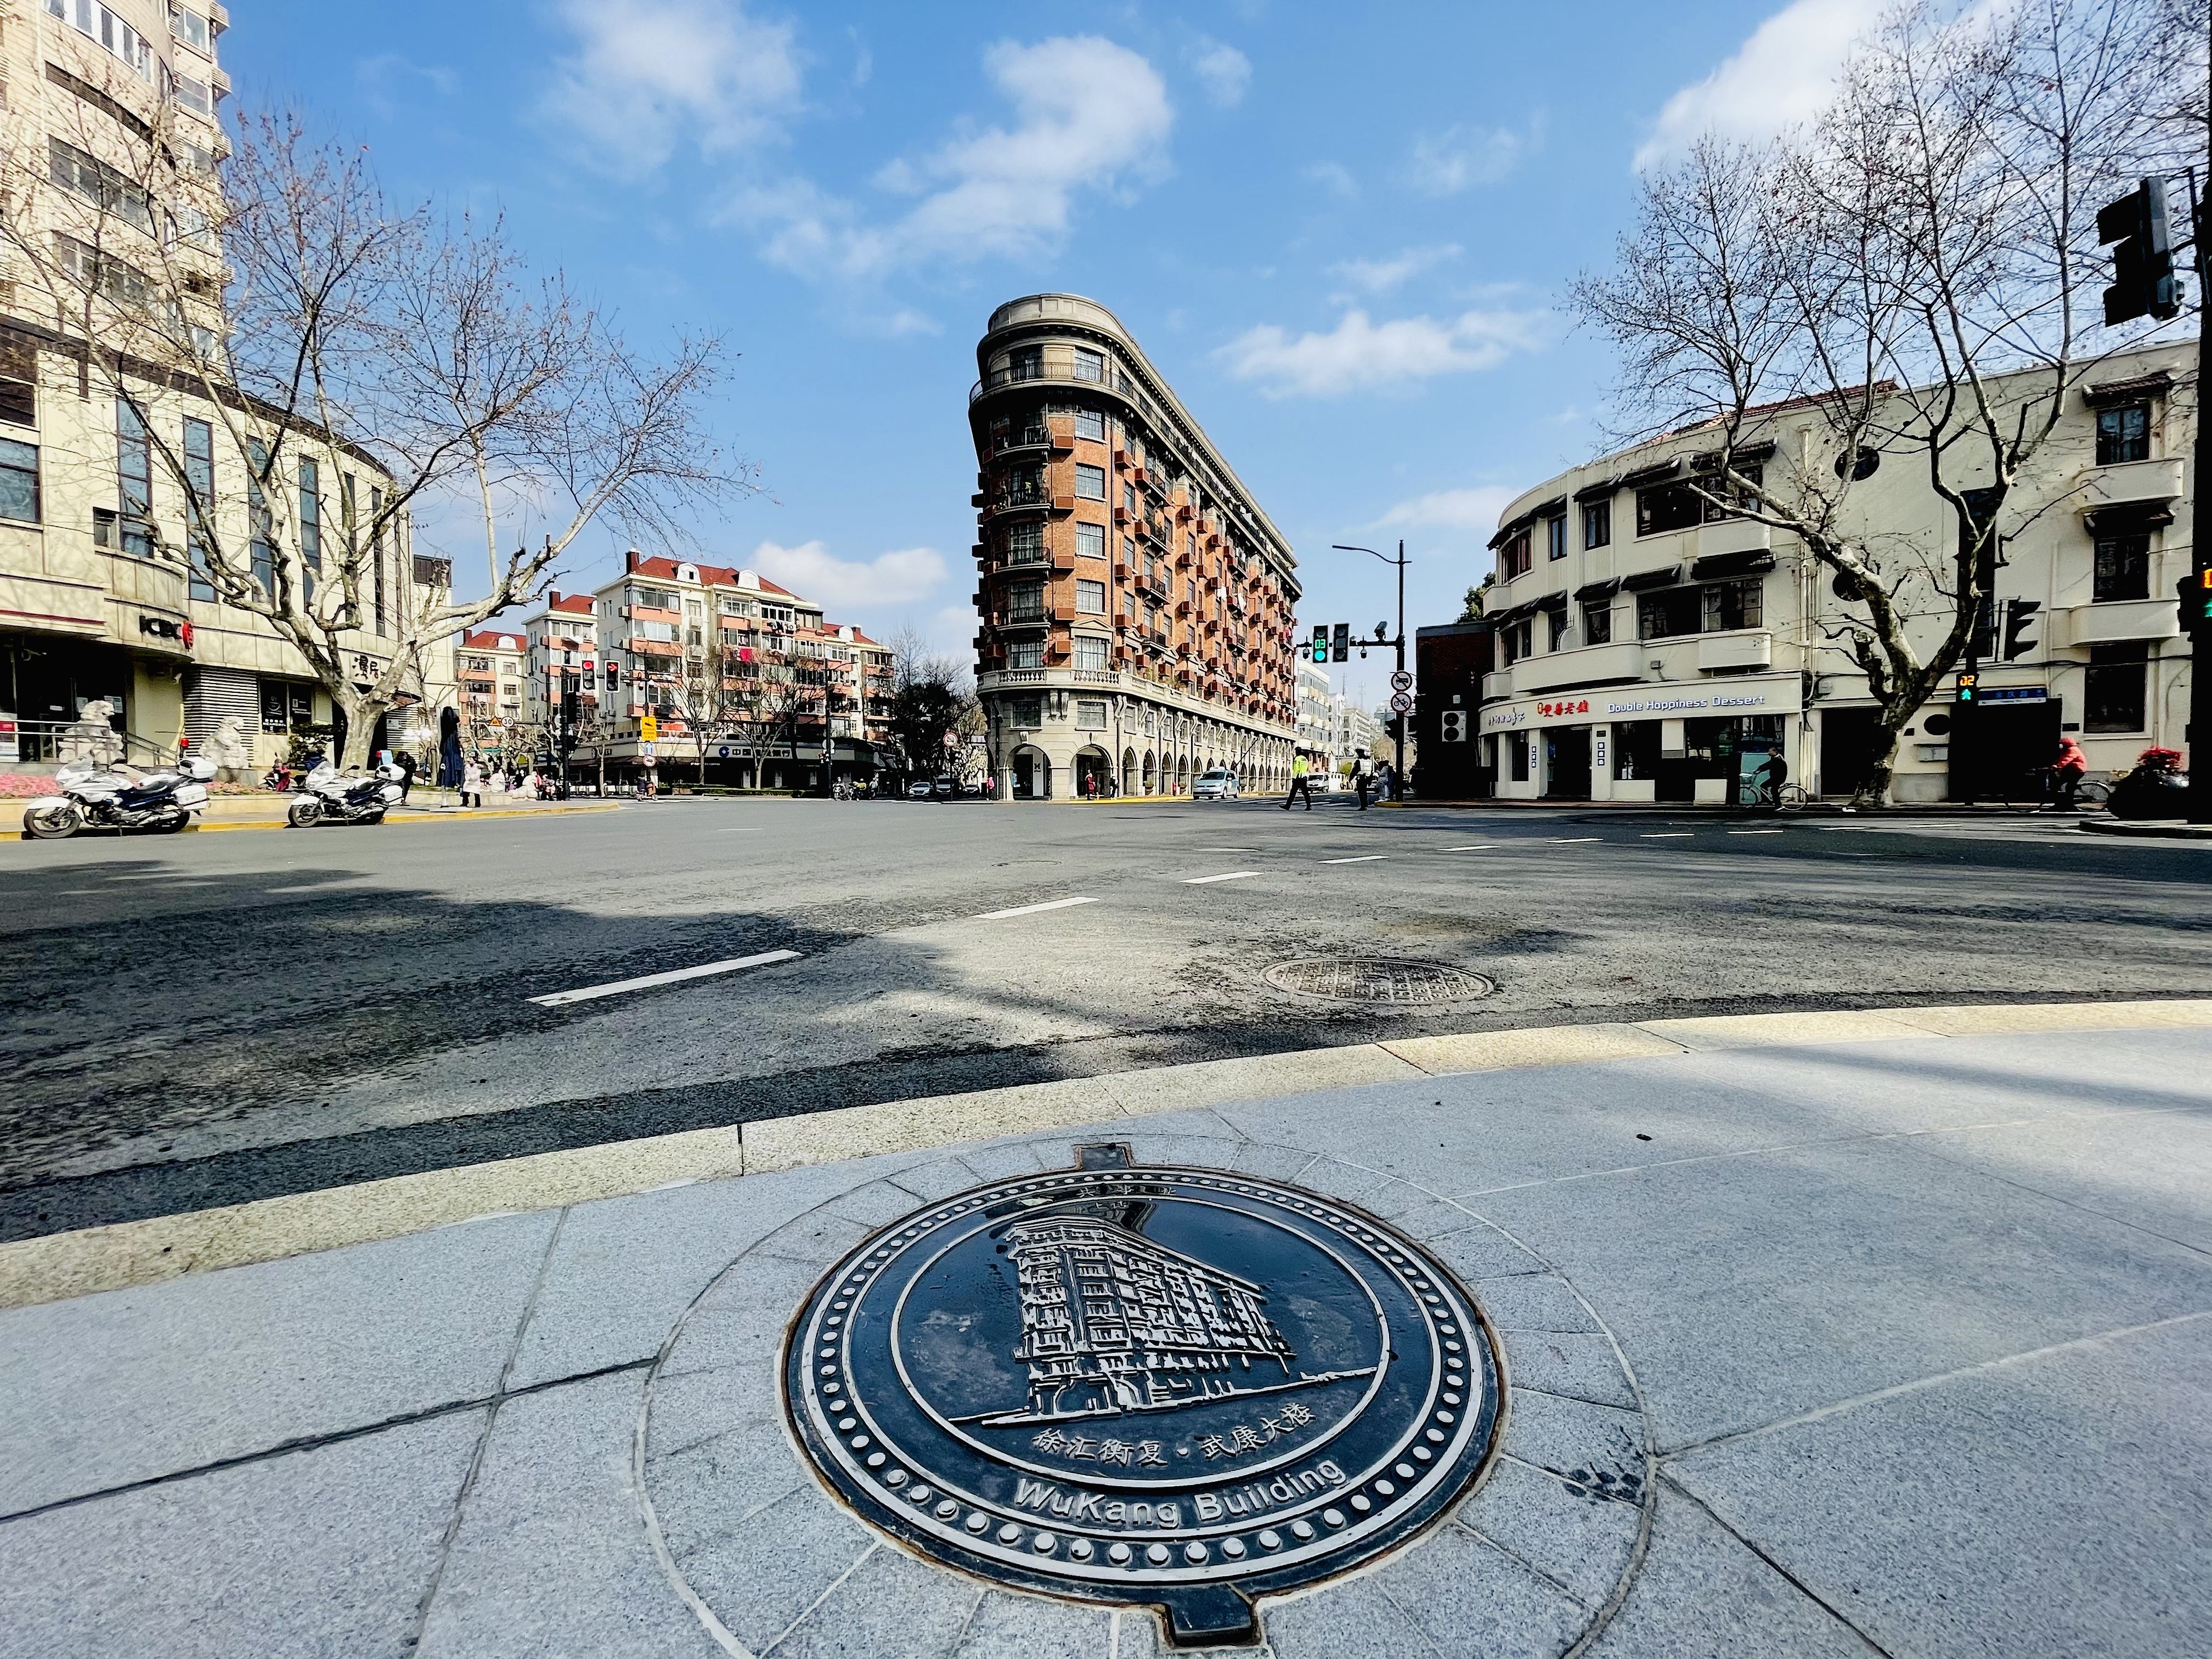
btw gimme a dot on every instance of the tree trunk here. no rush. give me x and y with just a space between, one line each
362 714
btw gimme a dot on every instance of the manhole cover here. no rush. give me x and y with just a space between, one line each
1378 979
1160 1386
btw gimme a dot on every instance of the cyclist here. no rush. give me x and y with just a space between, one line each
2066 773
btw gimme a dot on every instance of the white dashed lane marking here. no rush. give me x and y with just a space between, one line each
1032 909
1667 834
1233 875
1474 846
1365 857
1568 840
674 975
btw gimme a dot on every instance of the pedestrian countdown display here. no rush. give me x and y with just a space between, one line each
1163 1386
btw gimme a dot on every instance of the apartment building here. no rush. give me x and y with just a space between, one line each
1136 604
1651 646
1315 722
101 619
487 665
733 669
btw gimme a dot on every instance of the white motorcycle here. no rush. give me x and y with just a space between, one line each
330 796
95 797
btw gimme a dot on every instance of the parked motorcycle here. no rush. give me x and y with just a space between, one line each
330 796
95 797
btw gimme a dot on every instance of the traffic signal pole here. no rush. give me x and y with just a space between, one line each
2200 554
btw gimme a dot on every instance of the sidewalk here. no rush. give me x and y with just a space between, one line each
266 812
1823 1335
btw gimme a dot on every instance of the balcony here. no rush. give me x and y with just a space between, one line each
1750 647
2130 483
2112 623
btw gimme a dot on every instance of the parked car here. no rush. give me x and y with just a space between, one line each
1220 784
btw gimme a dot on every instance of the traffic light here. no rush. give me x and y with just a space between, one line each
1320 642
2195 593
1966 684
1341 642
2019 615
2143 283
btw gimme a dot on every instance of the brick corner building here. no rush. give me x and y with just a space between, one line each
1136 604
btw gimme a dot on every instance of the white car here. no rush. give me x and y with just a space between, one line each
1220 784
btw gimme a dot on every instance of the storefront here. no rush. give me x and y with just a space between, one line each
1706 742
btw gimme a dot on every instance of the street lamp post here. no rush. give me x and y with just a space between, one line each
1398 734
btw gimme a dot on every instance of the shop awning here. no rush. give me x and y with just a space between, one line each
2154 385
1591 593
2129 518
1652 475
1665 577
1550 509
1552 602
1716 565
1599 491
1745 455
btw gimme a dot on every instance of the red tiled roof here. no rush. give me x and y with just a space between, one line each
578 604
488 639
710 575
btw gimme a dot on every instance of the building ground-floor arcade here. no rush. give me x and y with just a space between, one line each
1073 733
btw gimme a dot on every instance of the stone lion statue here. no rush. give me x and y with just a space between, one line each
91 737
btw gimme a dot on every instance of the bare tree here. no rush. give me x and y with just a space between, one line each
315 326
1914 277
712 700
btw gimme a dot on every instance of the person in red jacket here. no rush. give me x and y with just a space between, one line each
2066 772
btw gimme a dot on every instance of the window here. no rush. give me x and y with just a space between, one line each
1090 541
97 182
199 482
19 481
311 527
1025 602
1026 654
2118 677
1731 605
2123 568
1026 543
1091 483
1555 538
1090 424
1090 713
1669 612
1518 639
2122 434
1026 364
1667 508
1129 500
1513 559
90 18
192 93
1518 746
1090 365
1555 631
1597 622
1027 711
263 555
1090 652
121 283
190 27
1597 523
376 547
19 402
1090 596
134 478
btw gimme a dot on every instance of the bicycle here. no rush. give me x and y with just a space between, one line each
1774 798
2036 790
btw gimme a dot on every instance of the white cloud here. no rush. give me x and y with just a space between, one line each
1781 75
1476 508
1088 113
1459 158
1334 176
1360 354
648 75
1382 275
809 570
1225 71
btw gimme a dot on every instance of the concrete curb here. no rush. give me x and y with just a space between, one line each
94 1258
2154 828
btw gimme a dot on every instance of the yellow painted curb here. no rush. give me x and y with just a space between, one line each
132 1252
455 816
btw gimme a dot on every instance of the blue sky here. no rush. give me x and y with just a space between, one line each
1343 242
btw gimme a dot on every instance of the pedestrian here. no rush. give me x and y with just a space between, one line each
472 782
1301 782
2066 772
1363 777
405 762
1387 785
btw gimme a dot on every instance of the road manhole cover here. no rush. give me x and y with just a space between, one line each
1144 1386
1391 981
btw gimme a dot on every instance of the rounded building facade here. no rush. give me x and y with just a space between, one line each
1136 606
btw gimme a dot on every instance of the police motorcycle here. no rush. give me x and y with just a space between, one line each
330 796
104 796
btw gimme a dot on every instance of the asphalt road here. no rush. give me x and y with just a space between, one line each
209 1018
